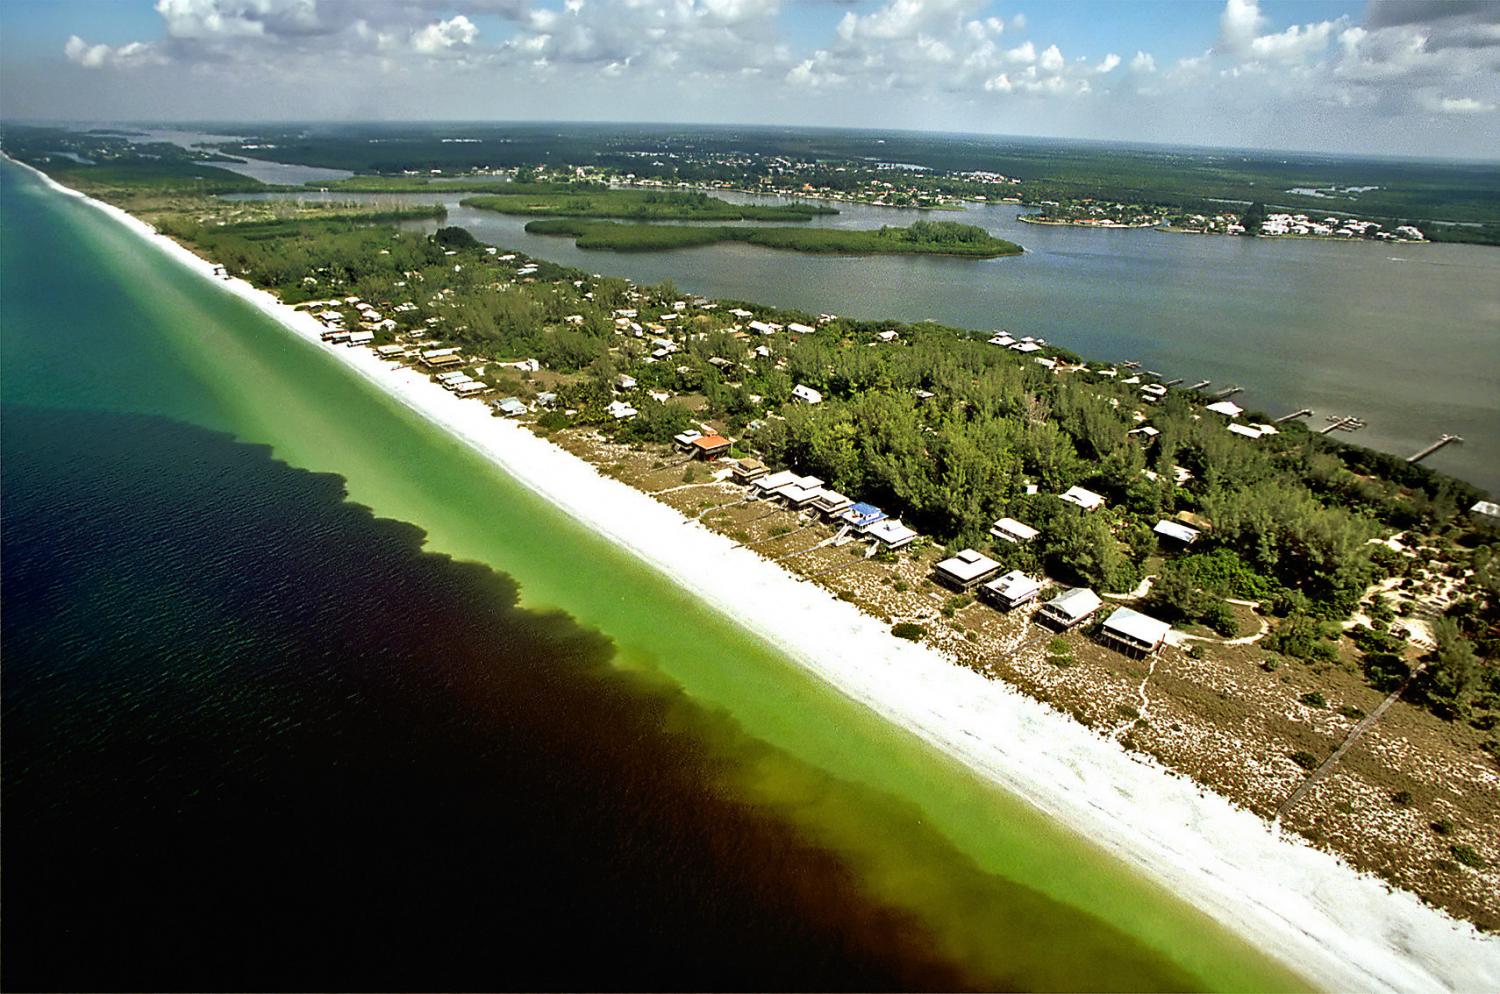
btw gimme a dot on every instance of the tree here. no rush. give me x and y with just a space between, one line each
1452 669
1253 217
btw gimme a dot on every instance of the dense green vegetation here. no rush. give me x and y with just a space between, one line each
919 238
640 205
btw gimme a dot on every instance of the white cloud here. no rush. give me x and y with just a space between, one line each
1109 64
1051 60
1239 25
1295 43
442 36
128 56
1143 62
1464 105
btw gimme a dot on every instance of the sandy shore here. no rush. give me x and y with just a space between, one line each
1341 929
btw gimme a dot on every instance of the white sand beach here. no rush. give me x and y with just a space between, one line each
1342 929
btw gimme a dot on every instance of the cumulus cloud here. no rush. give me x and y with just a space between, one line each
1143 62
1239 25
441 36
100 56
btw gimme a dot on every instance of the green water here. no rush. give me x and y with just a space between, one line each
1009 895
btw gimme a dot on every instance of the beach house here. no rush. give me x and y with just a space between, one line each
1011 590
1069 608
1079 497
861 517
892 534
831 503
965 570
1013 531
509 407
1134 633
748 470
710 446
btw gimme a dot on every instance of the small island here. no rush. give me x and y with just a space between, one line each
919 238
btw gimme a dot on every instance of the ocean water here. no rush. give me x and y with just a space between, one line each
298 692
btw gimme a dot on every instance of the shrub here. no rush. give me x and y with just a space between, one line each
1467 855
1305 759
908 630
1401 798
1442 826
1314 699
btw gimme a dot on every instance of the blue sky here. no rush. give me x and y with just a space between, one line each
1373 76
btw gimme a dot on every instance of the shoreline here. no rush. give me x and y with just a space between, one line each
1338 928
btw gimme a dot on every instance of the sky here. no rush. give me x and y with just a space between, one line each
1395 77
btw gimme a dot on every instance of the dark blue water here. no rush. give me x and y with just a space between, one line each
255 737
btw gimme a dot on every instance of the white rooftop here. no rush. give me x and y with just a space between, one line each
1086 499
967 565
1012 530
1138 626
1177 530
1228 408
891 531
1014 585
1076 603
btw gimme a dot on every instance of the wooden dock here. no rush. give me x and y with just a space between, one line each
1306 412
1445 440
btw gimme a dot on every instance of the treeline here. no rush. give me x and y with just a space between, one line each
641 205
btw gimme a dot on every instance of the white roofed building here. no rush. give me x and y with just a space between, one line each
806 394
1011 590
891 533
1011 530
965 570
1069 608
1086 499
1134 633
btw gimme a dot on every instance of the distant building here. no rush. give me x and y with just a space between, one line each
806 394
1086 499
1176 531
1011 530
